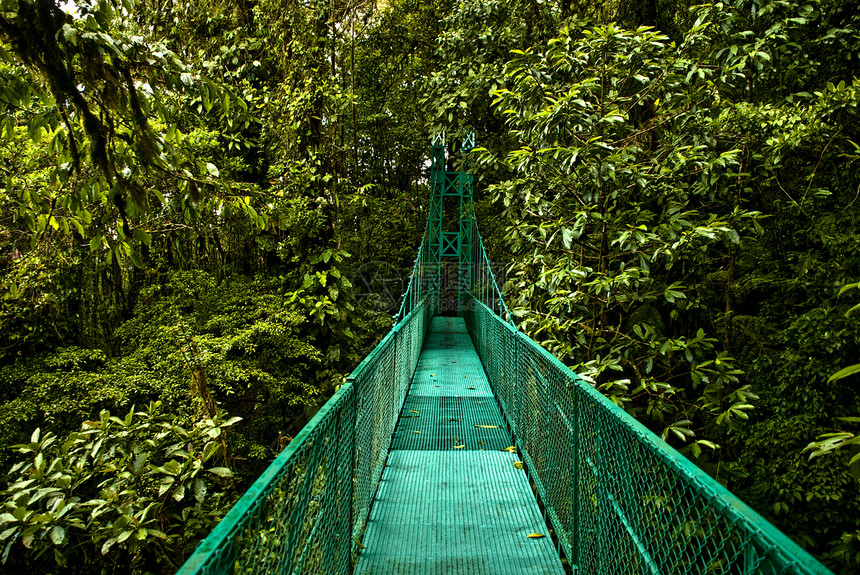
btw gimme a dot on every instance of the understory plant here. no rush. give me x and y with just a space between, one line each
127 494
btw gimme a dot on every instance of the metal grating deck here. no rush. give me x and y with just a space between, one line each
450 501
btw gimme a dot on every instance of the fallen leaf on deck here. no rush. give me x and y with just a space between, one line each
535 535
518 464
453 420
459 446
416 432
488 426
510 449
412 411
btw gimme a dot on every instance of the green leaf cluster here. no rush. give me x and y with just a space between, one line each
133 490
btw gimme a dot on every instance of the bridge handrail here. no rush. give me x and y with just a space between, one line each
620 499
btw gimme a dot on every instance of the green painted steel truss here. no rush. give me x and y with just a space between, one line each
451 244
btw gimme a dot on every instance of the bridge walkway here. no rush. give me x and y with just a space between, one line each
451 500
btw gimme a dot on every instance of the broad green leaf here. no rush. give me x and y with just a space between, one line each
7 518
199 490
165 485
142 236
107 545
845 372
220 471
124 535
179 493
7 533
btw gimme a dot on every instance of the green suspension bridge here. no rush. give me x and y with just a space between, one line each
460 446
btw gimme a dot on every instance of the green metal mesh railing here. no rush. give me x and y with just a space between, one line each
619 499
308 510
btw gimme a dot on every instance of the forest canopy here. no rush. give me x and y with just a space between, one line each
193 192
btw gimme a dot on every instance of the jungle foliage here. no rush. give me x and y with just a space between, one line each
195 193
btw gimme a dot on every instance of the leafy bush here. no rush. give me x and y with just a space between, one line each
122 494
